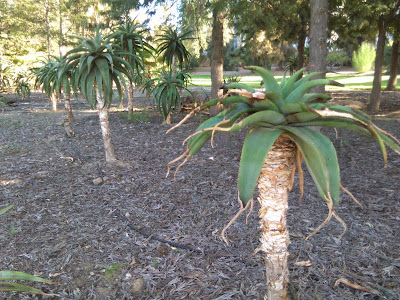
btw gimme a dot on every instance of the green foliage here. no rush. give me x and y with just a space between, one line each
289 109
364 58
99 64
5 77
22 86
166 91
291 64
172 48
232 79
141 116
338 59
47 75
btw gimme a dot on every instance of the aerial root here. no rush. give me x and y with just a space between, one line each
351 195
175 160
181 165
223 232
189 115
329 203
340 220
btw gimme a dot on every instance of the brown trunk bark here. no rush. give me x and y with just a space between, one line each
68 109
274 185
375 98
217 61
391 86
122 104
105 130
130 97
300 46
318 37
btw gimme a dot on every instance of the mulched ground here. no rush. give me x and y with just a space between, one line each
82 236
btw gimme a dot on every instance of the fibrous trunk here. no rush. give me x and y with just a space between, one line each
68 108
274 185
105 130
122 104
130 96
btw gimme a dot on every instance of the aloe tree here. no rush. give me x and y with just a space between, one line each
99 66
166 92
171 47
131 38
64 83
46 78
280 135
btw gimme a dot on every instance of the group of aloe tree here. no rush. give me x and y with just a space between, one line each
101 63
280 122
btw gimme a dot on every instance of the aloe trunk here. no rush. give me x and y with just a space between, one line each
105 129
130 96
274 185
122 104
68 108
53 100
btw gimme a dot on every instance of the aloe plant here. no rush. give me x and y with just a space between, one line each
7 278
171 47
22 86
46 78
166 92
99 65
131 38
280 122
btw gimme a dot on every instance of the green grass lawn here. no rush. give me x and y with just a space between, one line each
354 82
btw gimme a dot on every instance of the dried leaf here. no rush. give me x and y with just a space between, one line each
355 286
304 263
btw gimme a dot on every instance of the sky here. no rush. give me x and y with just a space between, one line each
171 10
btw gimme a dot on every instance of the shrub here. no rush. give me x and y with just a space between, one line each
364 57
338 59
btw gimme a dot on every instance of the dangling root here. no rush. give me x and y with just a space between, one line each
351 195
223 232
215 128
194 111
339 219
299 160
181 165
329 203
175 160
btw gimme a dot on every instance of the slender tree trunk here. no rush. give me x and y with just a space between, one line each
375 98
391 86
274 185
217 61
131 89
122 104
60 42
53 100
68 108
318 37
105 130
300 45
47 6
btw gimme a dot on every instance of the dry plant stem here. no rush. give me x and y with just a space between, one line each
105 130
273 189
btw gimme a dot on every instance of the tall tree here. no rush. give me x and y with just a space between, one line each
217 51
394 59
318 39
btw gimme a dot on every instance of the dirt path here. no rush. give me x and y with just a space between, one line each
65 227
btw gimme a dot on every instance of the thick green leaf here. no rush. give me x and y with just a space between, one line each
269 80
6 209
255 150
321 159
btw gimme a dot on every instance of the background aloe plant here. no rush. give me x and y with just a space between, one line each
46 78
167 92
100 65
8 278
279 137
131 38
171 47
